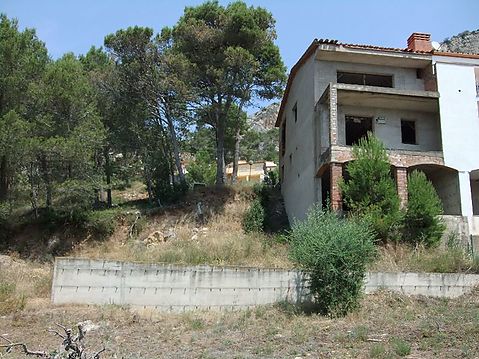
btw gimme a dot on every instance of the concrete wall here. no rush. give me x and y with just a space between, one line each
428 130
170 287
403 78
298 187
179 288
446 183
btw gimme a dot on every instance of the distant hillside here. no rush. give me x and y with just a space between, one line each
264 119
466 42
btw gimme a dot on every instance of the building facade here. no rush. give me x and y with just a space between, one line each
422 104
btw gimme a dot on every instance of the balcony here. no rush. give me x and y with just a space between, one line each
385 111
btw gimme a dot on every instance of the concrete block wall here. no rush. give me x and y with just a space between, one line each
171 287
181 288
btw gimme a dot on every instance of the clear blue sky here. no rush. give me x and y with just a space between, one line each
76 25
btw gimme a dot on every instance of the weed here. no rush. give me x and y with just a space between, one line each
360 333
401 347
377 351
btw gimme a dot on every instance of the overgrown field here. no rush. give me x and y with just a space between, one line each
387 326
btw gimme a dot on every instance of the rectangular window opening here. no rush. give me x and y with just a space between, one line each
365 79
295 112
356 128
408 132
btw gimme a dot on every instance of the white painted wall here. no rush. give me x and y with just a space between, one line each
459 118
459 122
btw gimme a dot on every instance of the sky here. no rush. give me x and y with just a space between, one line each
74 26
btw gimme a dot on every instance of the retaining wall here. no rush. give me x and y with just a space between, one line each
179 288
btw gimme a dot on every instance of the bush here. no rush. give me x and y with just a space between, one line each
253 219
101 223
369 190
335 253
421 222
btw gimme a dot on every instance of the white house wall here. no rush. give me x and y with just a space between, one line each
299 173
459 118
459 122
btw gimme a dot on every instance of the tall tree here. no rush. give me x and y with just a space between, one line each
23 58
66 131
235 59
160 77
100 70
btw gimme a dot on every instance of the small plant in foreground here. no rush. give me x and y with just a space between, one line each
253 220
401 347
334 252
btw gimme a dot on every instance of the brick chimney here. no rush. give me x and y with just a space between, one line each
419 42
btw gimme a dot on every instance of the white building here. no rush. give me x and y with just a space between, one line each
423 105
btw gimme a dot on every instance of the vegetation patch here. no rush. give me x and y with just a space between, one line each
335 252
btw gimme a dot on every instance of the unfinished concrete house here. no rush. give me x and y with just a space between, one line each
421 103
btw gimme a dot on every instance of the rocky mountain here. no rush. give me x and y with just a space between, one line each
466 42
265 118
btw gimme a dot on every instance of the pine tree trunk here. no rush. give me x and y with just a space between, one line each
47 180
33 190
176 148
106 154
220 151
234 176
3 179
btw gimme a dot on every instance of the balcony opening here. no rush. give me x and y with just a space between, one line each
357 128
365 79
408 132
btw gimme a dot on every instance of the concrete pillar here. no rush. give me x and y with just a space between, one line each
333 115
401 184
465 193
336 173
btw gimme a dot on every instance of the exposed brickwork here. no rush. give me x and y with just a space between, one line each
430 81
333 115
401 183
336 172
419 42
397 158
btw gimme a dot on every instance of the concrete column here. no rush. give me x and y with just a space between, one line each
401 184
465 193
333 115
336 173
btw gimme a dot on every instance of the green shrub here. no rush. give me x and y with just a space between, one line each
421 222
253 219
401 347
101 223
272 178
369 190
335 253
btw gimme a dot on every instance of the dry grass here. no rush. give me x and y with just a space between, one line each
22 282
387 326
220 241
403 258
